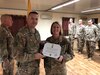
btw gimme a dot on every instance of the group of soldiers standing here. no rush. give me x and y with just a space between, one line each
23 47
86 35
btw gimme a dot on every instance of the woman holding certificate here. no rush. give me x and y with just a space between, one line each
56 66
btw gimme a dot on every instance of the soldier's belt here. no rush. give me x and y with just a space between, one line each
69 34
22 64
19 64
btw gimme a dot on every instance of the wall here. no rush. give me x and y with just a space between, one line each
45 24
15 12
0 20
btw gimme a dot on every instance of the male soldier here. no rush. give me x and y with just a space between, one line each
27 46
91 35
6 44
71 31
80 36
98 26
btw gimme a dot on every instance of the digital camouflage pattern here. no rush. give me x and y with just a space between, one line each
90 48
71 29
91 33
91 36
80 33
52 66
98 26
6 50
71 33
27 44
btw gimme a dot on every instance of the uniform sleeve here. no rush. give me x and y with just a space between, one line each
10 44
74 29
3 45
20 44
68 53
83 32
96 33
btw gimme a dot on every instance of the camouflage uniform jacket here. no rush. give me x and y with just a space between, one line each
98 26
65 52
71 29
91 33
27 44
80 31
6 43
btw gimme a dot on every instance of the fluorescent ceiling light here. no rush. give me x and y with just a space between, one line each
90 10
65 4
98 9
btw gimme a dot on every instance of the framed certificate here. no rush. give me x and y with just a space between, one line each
51 50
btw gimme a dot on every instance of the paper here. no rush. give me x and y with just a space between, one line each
51 50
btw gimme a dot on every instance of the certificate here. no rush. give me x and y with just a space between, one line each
51 50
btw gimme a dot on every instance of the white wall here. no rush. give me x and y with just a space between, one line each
15 12
45 24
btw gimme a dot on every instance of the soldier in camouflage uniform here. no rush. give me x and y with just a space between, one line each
80 33
27 47
57 66
91 36
98 26
71 31
6 45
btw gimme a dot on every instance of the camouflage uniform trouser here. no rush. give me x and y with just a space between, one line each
72 41
56 70
8 70
28 69
80 44
90 48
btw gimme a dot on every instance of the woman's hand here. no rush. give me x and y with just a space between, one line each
60 59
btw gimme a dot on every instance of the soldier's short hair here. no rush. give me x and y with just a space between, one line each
80 20
59 25
70 20
4 16
33 12
90 20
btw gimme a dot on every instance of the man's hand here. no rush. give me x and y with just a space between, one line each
38 56
5 64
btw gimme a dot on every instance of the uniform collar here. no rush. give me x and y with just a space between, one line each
2 25
32 30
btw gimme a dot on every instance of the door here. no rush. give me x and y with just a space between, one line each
18 22
65 23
